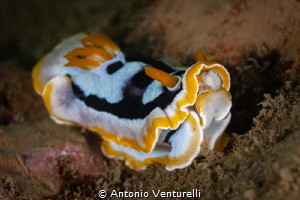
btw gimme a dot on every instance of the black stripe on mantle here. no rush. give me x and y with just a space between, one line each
131 106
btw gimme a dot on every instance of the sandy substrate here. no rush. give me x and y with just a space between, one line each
257 41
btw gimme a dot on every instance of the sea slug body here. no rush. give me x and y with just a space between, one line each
145 110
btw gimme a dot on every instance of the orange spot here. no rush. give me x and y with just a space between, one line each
101 41
97 49
164 78
83 63
87 52
200 56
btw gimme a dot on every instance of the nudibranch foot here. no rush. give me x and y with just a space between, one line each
145 110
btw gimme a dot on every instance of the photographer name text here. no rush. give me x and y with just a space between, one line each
193 193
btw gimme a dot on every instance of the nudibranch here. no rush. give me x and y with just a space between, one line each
145 110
